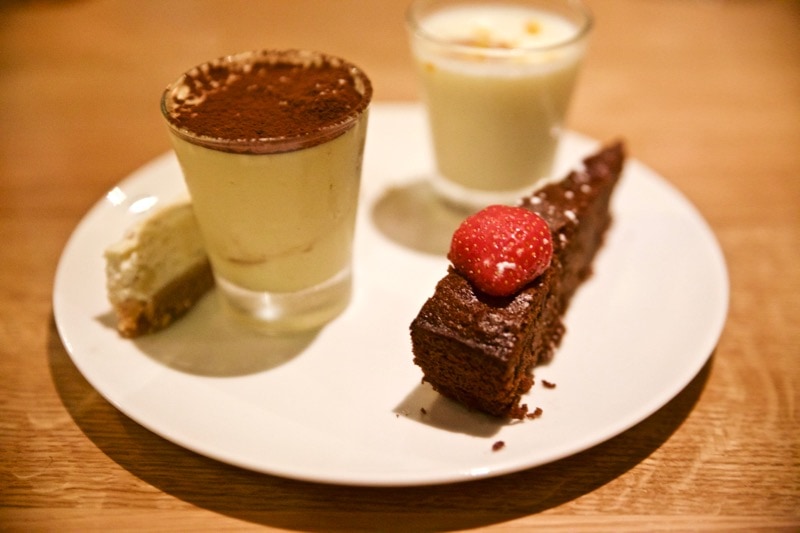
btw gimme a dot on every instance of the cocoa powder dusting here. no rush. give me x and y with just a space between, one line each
276 99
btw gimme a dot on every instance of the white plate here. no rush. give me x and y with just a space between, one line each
346 406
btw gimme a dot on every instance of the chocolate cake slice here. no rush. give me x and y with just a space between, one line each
480 350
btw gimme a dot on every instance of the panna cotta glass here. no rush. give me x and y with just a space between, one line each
496 77
271 146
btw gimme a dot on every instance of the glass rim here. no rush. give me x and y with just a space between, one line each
415 27
271 144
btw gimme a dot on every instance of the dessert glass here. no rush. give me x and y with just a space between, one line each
496 77
271 146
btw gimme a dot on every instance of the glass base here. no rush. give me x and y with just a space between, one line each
472 200
288 312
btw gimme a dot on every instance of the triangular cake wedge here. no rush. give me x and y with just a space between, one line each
481 350
158 271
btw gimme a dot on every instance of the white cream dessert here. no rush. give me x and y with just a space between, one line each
497 82
157 271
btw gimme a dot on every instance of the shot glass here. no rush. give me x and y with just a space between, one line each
271 146
496 78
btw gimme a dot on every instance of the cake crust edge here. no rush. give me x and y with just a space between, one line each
136 317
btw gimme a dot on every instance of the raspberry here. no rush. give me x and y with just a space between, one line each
500 249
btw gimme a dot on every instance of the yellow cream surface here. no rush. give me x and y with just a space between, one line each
153 252
276 222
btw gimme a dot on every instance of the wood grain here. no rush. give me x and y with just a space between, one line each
706 92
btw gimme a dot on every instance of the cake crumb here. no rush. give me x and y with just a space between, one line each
497 446
535 414
548 384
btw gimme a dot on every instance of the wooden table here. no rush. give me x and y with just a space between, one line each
707 93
